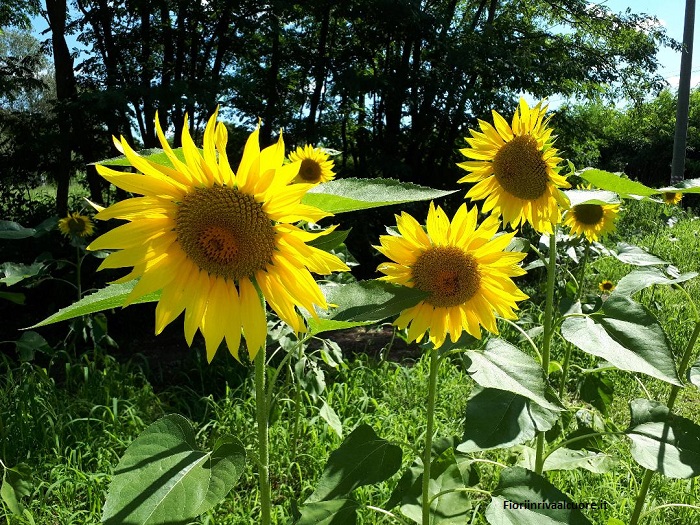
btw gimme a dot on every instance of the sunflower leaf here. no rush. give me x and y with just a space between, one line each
640 279
686 186
13 230
112 296
634 255
330 241
351 194
602 197
332 512
624 187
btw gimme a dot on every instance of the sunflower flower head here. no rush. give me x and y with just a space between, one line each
515 168
463 267
606 286
215 241
315 166
671 197
76 225
594 221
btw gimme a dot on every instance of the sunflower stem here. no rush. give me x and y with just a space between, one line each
648 474
546 343
78 277
262 410
427 453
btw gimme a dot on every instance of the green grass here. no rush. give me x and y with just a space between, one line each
70 419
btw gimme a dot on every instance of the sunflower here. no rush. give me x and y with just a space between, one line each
594 221
75 224
515 169
671 197
606 286
213 240
464 268
315 166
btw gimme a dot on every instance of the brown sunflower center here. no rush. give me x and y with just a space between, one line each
520 169
671 197
607 285
77 225
225 232
588 213
448 273
310 170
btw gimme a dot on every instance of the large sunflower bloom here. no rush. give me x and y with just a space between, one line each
76 224
207 236
594 221
464 268
515 168
315 166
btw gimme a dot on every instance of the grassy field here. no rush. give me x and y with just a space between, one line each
72 417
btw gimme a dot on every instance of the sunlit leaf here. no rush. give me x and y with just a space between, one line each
640 279
634 255
614 182
567 459
577 197
331 512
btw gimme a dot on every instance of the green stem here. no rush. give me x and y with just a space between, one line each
78 278
547 340
263 450
432 387
648 474
579 289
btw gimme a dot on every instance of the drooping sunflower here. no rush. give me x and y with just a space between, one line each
606 286
594 221
75 224
515 168
671 197
462 266
211 238
315 166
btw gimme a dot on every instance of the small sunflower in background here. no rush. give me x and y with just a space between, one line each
671 197
315 165
210 238
515 168
594 221
462 266
76 225
606 286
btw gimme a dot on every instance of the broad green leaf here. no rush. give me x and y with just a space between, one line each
640 279
624 187
362 303
447 472
17 298
627 335
28 343
362 459
351 194
16 484
686 186
577 197
330 241
16 272
503 366
500 419
596 389
13 230
520 486
156 155
635 256
332 512
567 459
113 296
694 373
329 416
662 441
163 479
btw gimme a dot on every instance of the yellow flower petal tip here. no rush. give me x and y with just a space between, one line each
203 235
515 168
463 267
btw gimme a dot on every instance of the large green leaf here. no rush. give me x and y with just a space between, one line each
362 303
544 504
448 472
635 256
16 484
331 240
662 441
567 459
577 197
163 479
13 230
332 512
362 459
113 296
501 419
627 335
351 194
503 366
624 187
694 373
640 279
686 186
14 273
